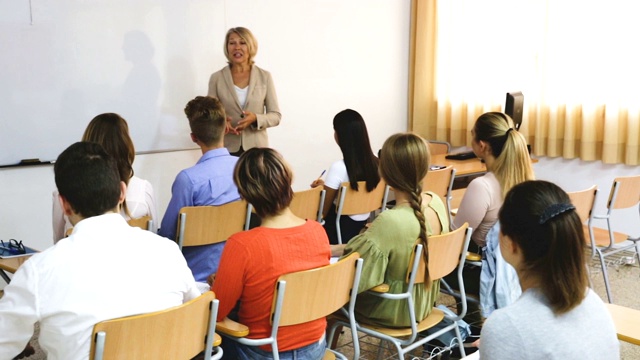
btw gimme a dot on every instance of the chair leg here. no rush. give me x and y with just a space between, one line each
460 342
605 275
635 243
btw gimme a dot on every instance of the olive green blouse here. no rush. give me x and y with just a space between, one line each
386 248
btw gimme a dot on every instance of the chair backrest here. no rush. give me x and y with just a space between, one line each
440 181
308 204
144 222
181 332
625 192
446 251
352 202
315 293
203 225
438 147
584 201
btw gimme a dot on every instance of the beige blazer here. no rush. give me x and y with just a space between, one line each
261 100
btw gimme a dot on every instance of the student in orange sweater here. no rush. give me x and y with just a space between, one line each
253 260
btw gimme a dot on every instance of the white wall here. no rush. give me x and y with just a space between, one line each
324 55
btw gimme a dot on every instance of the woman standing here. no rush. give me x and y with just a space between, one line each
557 316
358 164
246 92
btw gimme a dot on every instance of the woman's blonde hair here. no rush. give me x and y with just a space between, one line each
246 35
512 163
404 162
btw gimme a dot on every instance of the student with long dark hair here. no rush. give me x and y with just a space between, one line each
557 316
358 164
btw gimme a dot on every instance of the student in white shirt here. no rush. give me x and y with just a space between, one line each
105 269
358 164
557 316
112 132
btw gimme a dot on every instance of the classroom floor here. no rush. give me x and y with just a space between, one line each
624 283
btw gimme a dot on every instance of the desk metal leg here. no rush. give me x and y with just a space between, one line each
5 277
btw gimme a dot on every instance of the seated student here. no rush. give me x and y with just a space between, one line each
105 269
208 182
358 164
253 260
557 316
387 244
112 132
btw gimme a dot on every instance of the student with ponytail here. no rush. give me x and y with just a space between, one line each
557 316
387 244
504 150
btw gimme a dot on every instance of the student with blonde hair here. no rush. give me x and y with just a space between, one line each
112 132
557 316
387 244
504 151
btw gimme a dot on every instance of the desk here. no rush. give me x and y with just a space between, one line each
11 265
627 323
463 167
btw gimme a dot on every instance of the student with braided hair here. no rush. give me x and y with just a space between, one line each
557 316
387 244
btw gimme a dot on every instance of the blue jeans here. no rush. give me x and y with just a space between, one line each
234 350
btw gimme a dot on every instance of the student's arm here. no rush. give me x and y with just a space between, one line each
229 280
57 217
18 312
151 203
181 196
474 205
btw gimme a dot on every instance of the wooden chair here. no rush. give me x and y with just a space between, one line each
627 323
446 253
584 201
144 222
352 202
181 332
456 199
308 204
625 194
441 182
305 296
204 225
438 147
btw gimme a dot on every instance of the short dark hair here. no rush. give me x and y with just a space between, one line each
539 217
264 180
207 119
87 177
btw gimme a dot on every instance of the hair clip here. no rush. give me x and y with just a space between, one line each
554 210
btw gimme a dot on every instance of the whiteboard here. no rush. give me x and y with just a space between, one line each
63 62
